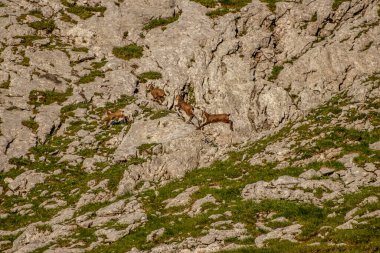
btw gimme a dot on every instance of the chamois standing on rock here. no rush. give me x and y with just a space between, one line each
157 93
214 118
119 114
184 106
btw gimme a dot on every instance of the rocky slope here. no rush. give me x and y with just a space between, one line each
299 173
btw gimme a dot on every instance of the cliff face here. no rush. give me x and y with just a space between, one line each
299 79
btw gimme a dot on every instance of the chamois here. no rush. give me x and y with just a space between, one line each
115 115
186 107
214 118
157 93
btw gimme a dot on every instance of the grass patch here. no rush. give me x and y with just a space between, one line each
80 49
161 22
337 3
37 97
150 75
276 70
91 77
128 52
66 18
83 12
30 123
5 84
36 13
47 25
27 40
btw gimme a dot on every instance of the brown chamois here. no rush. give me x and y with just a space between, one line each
186 107
119 114
157 93
214 118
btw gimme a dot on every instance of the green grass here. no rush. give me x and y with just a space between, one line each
30 123
159 114
275 72
36 13
161 22
27 40
2 5
150 75
83 12
5 84
337 3
37 97
226 6
66 18
80 49
128 52
272 4
47 25
91 77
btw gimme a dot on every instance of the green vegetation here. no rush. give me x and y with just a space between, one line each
159 114
89 78
161 22
2 5
30 123
36 13
275 72
66 18
128 52
47 25
218 12
80 49
272 4
27 40
151 75
5 84
226 6
314 18
48 97
337 3
84 12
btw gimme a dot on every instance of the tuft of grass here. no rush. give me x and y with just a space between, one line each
218 12
83 12
275 72
5 84
27 40
161 22
80 49
37 97
159 114
36 13
47 25
2 5
271 4
91 77
30 123
66 18
128 52
150 75
337 3
314 18
226 6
